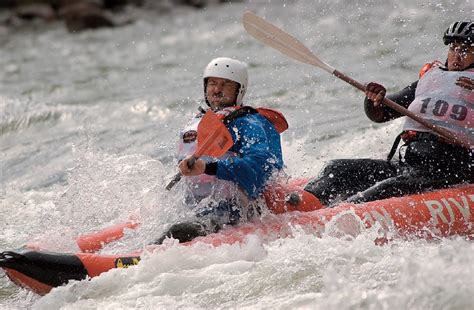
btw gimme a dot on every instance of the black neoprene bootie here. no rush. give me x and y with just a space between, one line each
183 232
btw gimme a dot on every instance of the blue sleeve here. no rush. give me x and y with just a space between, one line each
258 146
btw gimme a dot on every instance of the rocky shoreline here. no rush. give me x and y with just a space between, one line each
79 15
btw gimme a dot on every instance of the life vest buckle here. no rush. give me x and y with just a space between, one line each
409 135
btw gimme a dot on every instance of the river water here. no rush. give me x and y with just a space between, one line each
88 130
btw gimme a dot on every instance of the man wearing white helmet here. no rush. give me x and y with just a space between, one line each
222 190
444 95
225 83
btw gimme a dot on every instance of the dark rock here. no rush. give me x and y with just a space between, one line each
63 3
114 4
33 11
195 3
202 3
7 3
80 16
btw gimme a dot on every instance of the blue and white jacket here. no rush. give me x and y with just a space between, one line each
250 162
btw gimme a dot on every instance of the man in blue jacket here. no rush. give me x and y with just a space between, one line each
221 190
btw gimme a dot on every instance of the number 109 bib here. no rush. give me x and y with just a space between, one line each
445 104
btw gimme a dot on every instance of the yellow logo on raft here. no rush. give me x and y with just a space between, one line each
125 262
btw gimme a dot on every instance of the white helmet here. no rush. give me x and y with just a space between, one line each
230 69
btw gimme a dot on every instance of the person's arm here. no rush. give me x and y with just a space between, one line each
255 161
378 112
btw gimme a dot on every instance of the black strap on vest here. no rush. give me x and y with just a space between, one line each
243 111
423 136
394 146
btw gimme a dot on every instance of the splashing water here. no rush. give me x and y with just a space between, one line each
88 128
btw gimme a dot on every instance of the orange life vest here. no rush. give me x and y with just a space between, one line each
273 116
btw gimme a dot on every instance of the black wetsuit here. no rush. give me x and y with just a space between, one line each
427 163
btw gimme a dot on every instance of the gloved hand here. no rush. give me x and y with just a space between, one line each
375 93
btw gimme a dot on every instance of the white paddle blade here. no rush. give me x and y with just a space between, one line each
273 36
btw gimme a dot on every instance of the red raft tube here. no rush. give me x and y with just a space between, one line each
444 213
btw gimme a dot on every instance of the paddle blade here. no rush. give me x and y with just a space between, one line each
213 137
213 140
273 36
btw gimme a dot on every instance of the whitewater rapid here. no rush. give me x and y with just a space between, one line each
88 130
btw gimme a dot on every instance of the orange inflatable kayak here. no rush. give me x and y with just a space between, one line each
443 213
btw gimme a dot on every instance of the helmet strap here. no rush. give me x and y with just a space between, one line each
205 90
237 94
